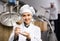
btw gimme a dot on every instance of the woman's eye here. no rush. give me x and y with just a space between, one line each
28 14
23 15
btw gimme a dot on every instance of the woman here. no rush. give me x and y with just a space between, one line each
26 31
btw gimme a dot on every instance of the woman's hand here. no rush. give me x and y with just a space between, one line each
26 34
17 31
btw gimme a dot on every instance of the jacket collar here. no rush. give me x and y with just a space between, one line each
27 26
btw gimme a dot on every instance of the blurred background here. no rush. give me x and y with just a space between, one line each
8 12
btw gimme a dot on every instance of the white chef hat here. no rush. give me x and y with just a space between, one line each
27 8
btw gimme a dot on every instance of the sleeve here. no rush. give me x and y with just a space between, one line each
11 38
37 35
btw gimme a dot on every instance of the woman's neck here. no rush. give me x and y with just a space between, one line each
26 25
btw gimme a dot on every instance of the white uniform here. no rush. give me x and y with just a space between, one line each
53 14
33 30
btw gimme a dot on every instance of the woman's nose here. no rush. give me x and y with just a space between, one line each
26 17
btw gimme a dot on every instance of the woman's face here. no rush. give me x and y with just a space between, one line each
52 5
26 17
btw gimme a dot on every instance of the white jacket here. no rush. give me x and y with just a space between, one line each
53 14
35 33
